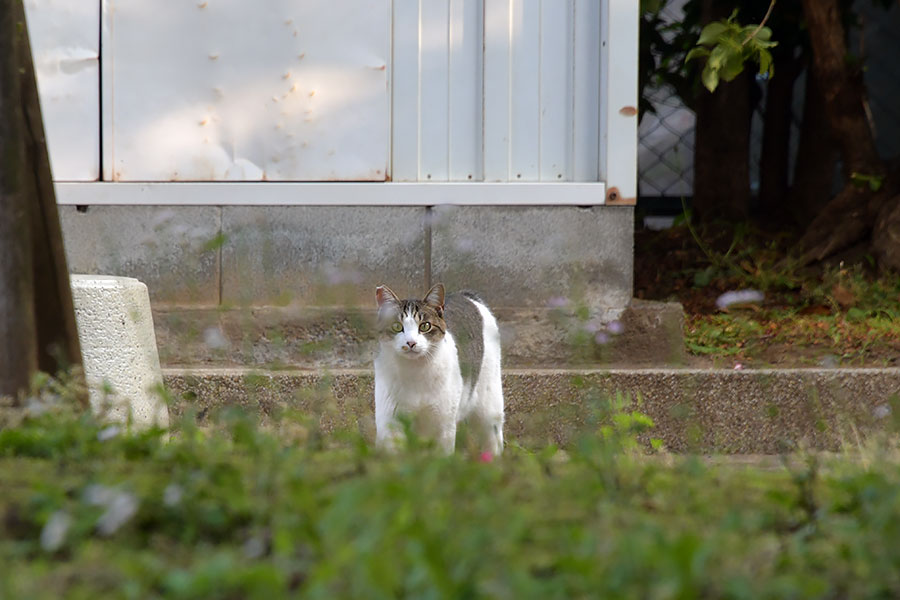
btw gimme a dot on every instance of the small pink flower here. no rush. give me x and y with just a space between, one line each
485 457
738 367
557 302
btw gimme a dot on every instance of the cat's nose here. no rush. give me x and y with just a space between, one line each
411 344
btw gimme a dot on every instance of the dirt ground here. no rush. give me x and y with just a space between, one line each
828 316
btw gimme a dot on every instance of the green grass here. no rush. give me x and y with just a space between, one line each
850 339
844 314
238 512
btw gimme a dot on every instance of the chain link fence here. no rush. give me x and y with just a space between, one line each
666 137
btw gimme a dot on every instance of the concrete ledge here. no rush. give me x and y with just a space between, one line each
647 334
740 412
118 347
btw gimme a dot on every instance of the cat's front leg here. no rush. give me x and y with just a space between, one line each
388 435
446 437
388 430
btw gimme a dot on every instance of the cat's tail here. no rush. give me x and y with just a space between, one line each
473 296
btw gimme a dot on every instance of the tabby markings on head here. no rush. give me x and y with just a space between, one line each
415 325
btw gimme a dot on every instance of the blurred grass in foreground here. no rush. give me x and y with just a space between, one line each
89 510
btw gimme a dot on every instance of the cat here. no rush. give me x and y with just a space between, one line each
438 363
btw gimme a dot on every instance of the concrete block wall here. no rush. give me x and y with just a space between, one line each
294 285
335 256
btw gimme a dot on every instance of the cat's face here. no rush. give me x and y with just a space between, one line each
411 328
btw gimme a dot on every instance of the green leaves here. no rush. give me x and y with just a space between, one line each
861 180
727 46
242 513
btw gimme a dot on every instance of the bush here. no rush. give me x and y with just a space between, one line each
238 512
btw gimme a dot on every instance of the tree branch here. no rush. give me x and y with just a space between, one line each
761 25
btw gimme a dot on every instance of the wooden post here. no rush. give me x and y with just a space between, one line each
37 317
18 350
57 333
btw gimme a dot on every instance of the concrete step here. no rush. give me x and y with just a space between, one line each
726 411
645 334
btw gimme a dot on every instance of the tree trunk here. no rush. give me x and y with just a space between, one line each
722 142
842 87
817 156
849 217
774 164
18 353
37 321
886 236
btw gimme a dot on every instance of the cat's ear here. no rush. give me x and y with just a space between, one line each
384 295
435 296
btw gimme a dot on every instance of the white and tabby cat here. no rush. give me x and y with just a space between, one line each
438 363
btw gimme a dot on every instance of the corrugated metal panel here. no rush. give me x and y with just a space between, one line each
434 90
586 141
405 93
525 91
618 102
417 90
466 59
65 39
497 52
557 89
506 90
236 90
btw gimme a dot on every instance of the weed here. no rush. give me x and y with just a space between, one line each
233 510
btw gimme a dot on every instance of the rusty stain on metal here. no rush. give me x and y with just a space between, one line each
628 111
202 5
312 93
289 21
204 122
302 55
214 56
287 75
614 198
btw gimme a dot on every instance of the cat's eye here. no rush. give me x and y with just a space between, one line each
425 327
397 327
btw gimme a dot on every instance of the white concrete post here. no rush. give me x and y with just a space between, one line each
118 346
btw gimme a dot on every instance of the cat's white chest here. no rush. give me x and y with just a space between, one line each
428 390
